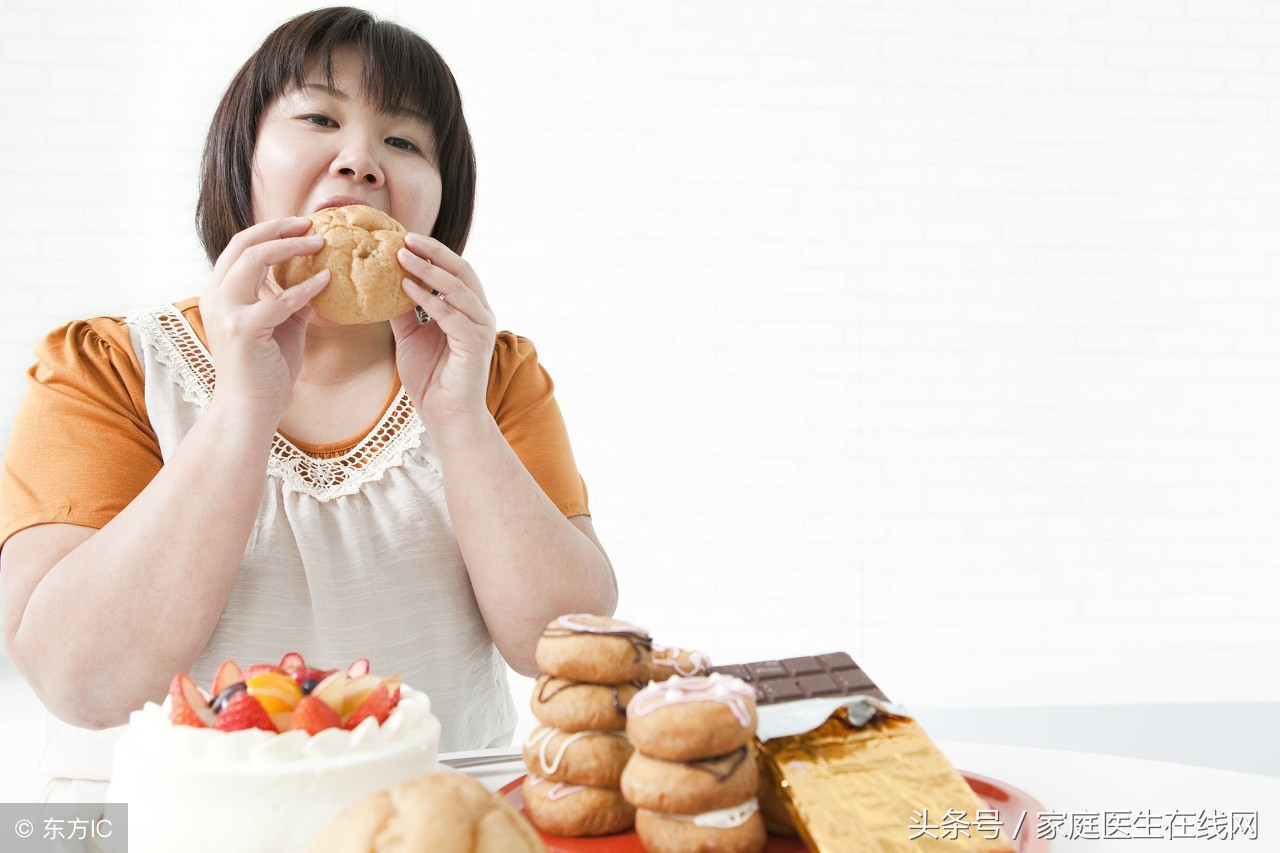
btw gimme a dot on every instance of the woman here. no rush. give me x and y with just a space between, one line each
239 478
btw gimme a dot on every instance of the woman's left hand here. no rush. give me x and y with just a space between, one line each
444 364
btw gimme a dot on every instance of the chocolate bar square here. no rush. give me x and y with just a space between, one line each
791 679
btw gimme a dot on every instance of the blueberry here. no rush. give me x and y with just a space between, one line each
309 685
221 699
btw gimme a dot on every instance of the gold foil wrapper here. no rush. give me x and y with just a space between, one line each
854 789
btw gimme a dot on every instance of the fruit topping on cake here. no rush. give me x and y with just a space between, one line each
285 697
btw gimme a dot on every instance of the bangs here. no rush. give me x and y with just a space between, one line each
399 70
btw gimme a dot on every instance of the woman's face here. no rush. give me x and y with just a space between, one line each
320 147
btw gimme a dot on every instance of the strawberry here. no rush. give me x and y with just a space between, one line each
314 715
228 674
292 662
258 669
242 711
358 668
393 687
377 705
187 706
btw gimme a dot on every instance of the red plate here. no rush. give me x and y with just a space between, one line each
1011 802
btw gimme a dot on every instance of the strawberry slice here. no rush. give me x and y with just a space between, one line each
242 711
228 674
292 662
358 668
377 705
393 687
187 706
314 715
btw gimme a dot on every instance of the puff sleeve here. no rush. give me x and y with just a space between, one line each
522 400
81 447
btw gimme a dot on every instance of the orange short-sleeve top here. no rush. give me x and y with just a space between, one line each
82 446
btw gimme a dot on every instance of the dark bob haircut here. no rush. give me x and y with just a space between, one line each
400 70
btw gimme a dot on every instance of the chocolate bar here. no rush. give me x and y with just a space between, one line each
809 677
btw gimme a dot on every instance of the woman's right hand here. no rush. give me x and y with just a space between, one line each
255 330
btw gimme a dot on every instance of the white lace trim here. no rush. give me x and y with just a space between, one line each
190 366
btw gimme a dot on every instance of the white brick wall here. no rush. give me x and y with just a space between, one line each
941 331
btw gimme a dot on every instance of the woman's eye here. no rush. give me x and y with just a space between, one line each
317 119
404 144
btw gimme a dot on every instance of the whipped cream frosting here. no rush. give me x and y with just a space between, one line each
153 734
259 791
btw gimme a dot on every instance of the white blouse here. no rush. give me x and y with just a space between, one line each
352 557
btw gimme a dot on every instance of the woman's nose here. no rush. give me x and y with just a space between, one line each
356 160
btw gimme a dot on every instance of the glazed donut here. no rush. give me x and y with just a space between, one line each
685 719
691 787
734 830
559 808
599 649
583 758
669 661
576 706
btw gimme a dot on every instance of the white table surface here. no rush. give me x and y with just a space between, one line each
1076 783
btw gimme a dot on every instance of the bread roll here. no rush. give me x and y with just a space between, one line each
360 245
439 812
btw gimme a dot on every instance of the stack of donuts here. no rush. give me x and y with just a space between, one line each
591 668
693 776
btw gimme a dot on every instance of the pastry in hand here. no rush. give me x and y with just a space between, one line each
360 246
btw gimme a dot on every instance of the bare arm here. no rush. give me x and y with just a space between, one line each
528 563
98 622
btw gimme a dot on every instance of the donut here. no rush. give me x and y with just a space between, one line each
599 649
669 661
685 719
576 706
559 808
441 812
583 758
360 245
738 829
691 787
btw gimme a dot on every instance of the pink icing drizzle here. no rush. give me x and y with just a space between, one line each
541 738
559 790
717 687
570 621
698 662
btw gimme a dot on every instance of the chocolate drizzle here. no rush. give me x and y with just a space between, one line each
545 697
640 642
721 766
